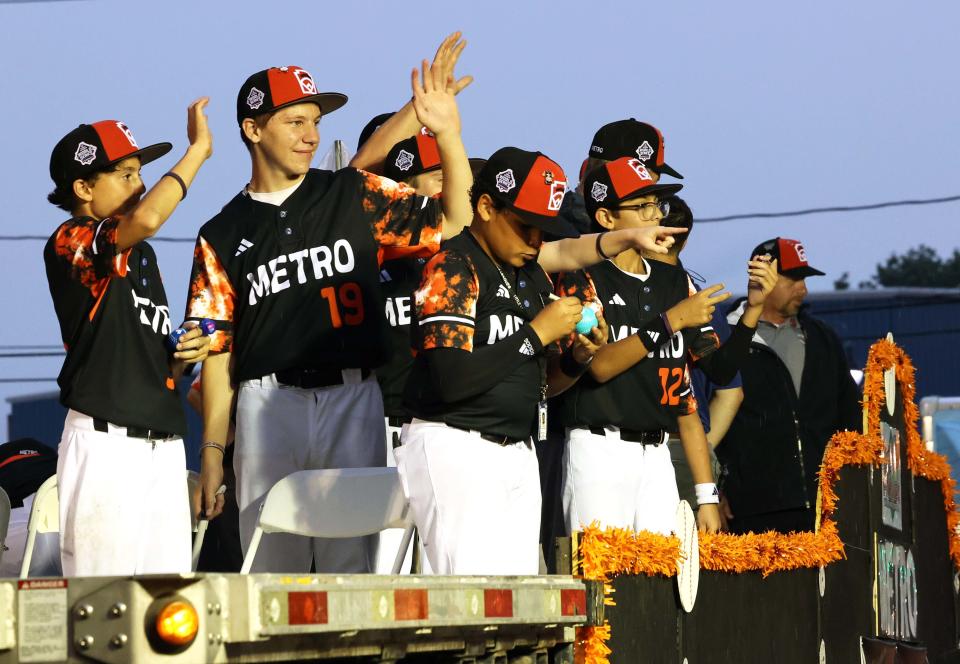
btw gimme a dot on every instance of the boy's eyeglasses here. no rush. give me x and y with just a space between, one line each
647 210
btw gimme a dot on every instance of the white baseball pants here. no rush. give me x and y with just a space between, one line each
617 483
124 507
283 429
476 503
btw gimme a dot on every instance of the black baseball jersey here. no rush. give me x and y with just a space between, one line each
114 319
294 286
463 303
655 391
398 279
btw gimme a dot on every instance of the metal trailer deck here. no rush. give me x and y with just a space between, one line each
272 617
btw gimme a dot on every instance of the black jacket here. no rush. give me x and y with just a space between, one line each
773 450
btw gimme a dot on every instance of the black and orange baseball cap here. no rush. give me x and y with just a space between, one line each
272 89
93 147
612 183
791 257
530 184
631 138
412 156
415 155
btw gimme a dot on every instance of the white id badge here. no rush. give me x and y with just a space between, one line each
542 420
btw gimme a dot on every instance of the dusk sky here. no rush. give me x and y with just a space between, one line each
765 107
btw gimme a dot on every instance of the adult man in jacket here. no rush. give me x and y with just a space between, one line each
797 392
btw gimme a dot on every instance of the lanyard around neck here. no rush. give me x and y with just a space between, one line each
503 277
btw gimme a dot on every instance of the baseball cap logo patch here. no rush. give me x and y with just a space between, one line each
85 153
255 98
126 132
505 181
404 160
645 151
557 190
305 80
599 191
801 252
639 169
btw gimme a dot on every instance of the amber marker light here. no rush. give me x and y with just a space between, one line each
177 623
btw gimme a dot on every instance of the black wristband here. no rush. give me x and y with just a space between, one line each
570 367
599 248
183 185
653 333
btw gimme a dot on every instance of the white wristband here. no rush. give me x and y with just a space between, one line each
707 494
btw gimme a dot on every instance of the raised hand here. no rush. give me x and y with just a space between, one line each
448 53
697 309
433 103
763 277
198 131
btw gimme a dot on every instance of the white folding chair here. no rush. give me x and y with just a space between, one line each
343 502
4 521
199 525
44 518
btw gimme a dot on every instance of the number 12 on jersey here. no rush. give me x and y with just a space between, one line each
670 381
345 302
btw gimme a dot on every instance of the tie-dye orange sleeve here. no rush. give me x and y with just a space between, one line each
688 402
577 284
211 295
403 223
446 302
89 247
700 341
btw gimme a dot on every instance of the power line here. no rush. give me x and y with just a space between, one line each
839 208
731 217
28 380
32 354
44 238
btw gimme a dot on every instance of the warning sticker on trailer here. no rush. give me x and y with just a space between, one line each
42 620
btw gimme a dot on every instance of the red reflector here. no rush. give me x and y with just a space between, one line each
307 608
573 602
498 603
410 604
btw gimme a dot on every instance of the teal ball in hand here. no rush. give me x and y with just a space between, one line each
587 322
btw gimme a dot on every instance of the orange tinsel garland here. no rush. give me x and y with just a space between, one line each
604 554
921 462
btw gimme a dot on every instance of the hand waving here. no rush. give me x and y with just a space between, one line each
198 132
448 53
434 104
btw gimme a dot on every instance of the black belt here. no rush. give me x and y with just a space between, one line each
134 432
310 379
653 437
398 421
